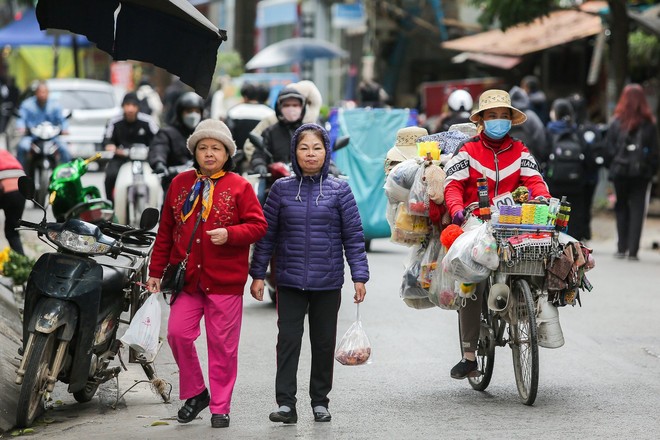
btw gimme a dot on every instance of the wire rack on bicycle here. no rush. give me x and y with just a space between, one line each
525 249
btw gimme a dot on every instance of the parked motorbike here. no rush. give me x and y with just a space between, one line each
43 156
278 170
69 199
137 187
74 300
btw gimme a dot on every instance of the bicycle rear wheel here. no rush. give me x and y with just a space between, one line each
524 344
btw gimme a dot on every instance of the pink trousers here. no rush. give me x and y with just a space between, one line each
222 317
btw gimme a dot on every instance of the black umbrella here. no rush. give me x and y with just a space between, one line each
171 34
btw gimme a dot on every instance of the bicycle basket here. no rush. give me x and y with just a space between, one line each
524 249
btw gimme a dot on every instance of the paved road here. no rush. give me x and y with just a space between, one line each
602 384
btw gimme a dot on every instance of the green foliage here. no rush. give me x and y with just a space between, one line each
512 12
18 268
229 63
643 55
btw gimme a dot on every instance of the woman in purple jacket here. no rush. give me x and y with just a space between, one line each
312 220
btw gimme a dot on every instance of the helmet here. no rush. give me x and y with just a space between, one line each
460 100
290 92
189 100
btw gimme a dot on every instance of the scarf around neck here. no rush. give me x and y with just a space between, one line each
202 188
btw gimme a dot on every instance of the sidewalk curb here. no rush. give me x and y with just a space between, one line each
10 339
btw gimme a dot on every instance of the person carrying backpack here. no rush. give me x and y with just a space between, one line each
632 142
566 166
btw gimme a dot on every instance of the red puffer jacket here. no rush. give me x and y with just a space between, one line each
507 164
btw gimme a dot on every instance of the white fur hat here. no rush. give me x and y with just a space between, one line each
213 129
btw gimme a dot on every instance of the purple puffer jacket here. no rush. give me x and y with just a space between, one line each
312 221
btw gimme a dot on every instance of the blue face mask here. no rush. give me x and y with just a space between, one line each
497 128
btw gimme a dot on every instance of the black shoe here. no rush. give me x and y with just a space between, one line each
287 417
633 258
465 368
219 420
193 406
323 416
620 255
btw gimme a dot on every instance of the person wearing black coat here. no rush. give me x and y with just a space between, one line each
633 159
168 148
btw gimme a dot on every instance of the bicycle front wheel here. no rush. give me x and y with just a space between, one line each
524 343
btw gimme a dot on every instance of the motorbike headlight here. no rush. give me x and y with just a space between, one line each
64 173
138 153
86 244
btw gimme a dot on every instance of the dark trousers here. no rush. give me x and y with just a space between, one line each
322 307
470 318
13 204
630 209
111 171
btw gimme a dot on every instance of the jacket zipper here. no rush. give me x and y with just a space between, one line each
497 166
309 198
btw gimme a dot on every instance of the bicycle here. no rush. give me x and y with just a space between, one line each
523 271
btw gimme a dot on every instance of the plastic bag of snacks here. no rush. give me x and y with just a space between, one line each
443 292
354 347
418 200
408 229
485 248
429 261
459 262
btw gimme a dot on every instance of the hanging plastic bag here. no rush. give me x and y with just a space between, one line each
484 251
418 200
408 229
459 262
144 330
354 347
443 292
429 261
410 286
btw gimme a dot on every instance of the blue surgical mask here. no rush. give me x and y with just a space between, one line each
497 128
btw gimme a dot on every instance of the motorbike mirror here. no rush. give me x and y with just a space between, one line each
26 187
341 142
149 219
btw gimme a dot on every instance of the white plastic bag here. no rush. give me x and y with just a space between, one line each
144 330
484 251
459 262
354 347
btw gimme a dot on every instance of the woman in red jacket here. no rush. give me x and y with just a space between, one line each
217 212
507 164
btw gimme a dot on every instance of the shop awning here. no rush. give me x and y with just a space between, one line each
559 27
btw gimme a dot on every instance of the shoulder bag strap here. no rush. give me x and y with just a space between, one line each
192 237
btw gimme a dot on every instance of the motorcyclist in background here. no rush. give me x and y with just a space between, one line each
122 131
460 104
168 148
34 111
290 111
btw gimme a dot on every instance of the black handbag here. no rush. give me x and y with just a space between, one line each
174 275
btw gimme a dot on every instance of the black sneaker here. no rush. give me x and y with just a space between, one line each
465 368
620 255
193 407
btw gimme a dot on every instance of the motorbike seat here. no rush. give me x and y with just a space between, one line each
115 271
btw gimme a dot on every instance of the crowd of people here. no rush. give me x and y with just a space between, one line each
310 221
